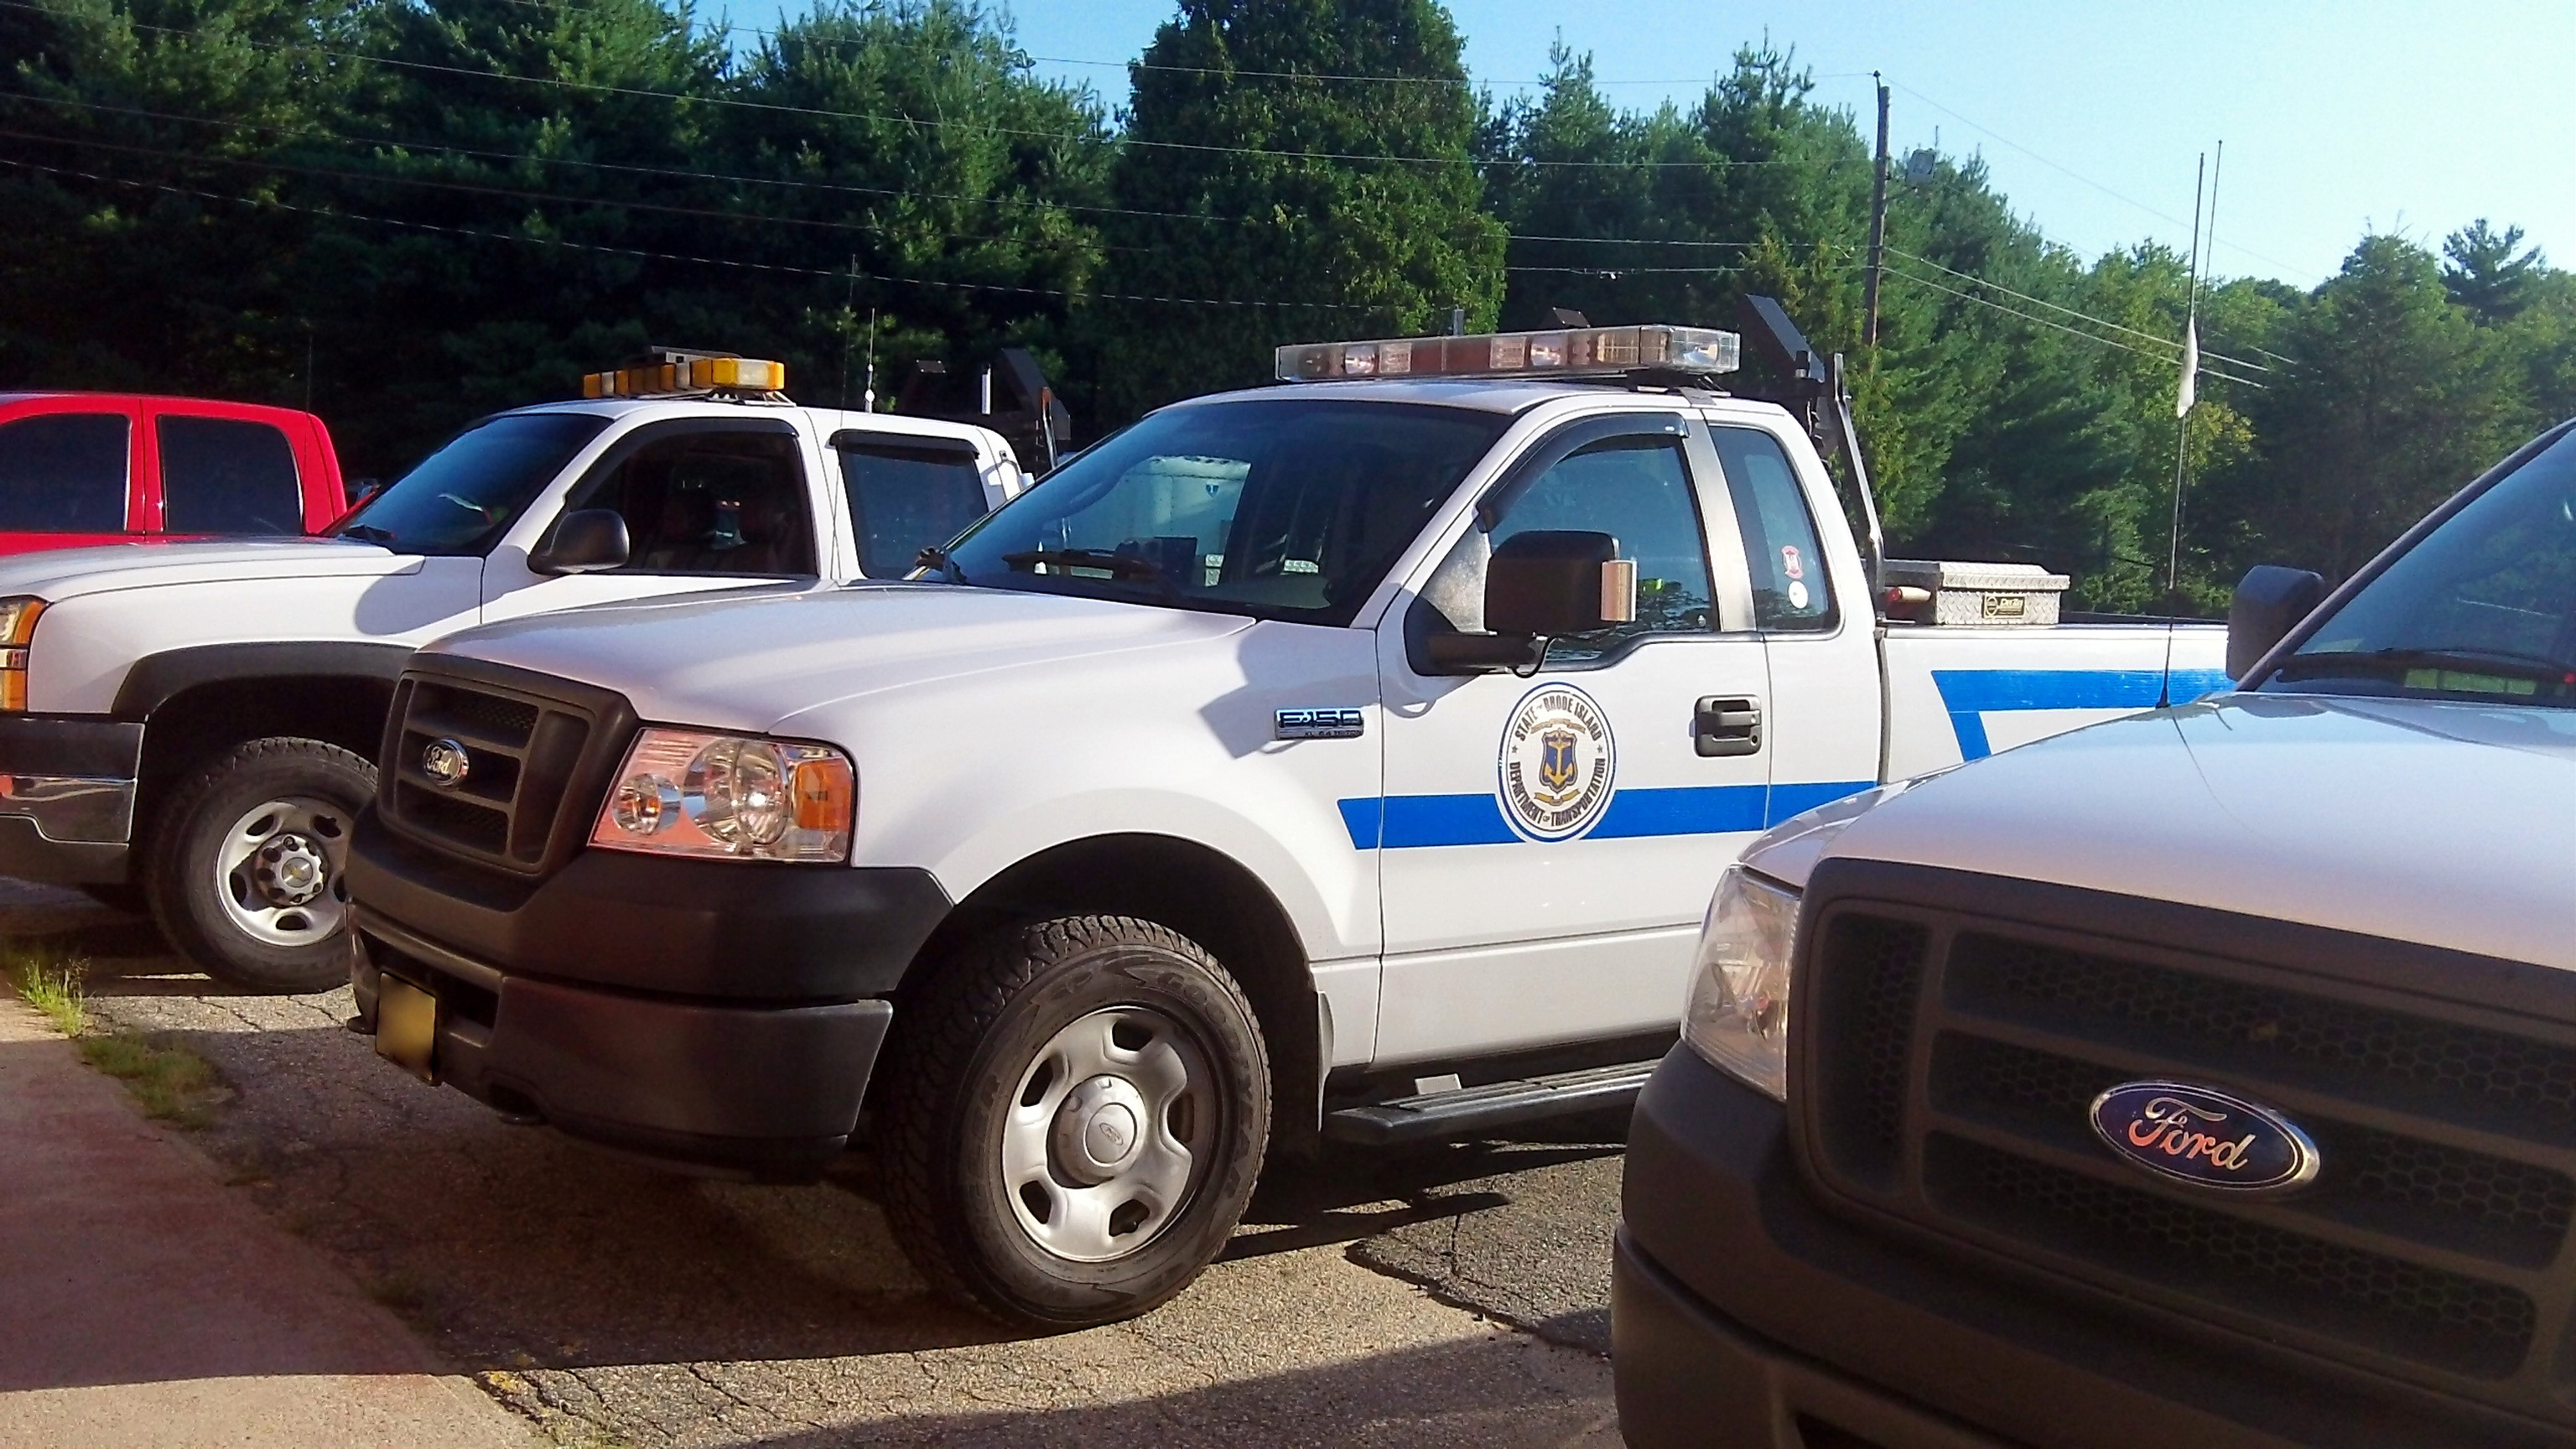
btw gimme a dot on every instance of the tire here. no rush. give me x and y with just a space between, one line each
246 867
1005 1091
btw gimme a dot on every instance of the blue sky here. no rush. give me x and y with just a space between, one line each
2405 116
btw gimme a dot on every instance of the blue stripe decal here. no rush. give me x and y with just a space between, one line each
1363 816
1419 820
1968 693
1690 810
1788 800
2186 685
1413 822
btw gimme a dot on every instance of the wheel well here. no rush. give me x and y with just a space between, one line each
188 727
1206 896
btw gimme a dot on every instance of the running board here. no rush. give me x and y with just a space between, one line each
1436 1115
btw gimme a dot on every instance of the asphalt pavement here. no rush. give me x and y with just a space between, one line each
1450 1295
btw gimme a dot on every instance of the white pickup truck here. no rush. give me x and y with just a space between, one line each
192 725
1348 755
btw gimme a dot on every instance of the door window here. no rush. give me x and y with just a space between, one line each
905 496
63 473
1638 491
221 475
1790 591
710 503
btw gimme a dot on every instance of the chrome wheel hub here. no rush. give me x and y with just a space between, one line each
279 871
1106 1135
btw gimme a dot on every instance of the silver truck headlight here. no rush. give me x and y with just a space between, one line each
683 792
1738 1017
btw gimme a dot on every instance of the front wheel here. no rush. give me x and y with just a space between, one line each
1075 1116
247 872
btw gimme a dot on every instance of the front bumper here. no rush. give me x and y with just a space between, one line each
712 1015
67 797
1743 1313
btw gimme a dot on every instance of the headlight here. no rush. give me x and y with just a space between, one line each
17 628
1738 1016
685 793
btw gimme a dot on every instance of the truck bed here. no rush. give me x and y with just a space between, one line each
1963 693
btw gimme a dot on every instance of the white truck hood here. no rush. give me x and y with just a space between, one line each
65 573
752 664
2444 824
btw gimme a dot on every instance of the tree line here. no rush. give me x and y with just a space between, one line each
407 213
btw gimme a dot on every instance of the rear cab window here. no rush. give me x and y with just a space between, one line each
1791 592
64 473
907 493
228 476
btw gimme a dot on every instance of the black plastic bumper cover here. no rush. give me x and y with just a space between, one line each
705 928
1740 1306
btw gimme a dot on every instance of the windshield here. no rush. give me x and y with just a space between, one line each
460 498
2483 608
1287 509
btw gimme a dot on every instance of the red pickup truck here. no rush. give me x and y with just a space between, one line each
94 467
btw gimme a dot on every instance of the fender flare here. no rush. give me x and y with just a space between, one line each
157 678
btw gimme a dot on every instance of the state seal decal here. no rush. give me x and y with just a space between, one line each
1558 763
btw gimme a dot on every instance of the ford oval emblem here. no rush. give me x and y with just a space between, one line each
445 763
2204 1137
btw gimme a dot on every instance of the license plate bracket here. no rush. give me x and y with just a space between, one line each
407 1027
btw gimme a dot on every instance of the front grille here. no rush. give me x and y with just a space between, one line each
1949 1064
524 752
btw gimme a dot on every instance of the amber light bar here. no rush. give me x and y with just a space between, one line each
678 372
1563 352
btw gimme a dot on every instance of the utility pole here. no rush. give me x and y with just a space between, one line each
1877 227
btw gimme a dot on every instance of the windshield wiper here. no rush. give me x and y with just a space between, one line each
366 533
1117 565
932 556
2506 663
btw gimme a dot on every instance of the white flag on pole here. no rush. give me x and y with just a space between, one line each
2190 392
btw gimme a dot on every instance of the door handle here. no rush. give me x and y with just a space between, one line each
1727 725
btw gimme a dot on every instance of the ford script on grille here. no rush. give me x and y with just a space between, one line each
2204 1137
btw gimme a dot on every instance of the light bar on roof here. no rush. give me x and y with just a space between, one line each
1563 352
670 372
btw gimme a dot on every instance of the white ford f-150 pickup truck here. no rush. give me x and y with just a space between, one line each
192 725
1348 755
2204 1077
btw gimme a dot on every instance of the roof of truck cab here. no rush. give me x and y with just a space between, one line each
830 419
1497 395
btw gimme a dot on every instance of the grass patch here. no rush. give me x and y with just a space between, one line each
170 1083
51 984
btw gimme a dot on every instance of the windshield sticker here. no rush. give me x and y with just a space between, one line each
1558 763
1789 565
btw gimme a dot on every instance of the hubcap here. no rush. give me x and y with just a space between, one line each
279 871
1107 1132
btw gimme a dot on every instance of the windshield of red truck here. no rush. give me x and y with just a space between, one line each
2482 608
1287 509
460 498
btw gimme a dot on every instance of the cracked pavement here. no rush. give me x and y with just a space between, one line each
1454 1295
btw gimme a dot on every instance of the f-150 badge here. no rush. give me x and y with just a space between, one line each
1320 724
2204 1137
1557 764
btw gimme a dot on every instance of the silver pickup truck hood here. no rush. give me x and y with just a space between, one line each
64 573
2445 824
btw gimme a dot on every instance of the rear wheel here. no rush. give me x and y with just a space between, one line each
247 870
1075 1117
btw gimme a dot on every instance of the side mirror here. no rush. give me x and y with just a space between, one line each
584 541
1540 585
2269 603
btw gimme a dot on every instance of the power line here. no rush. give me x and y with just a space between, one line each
2087 180
344 139
888 118
832 273
2071 312
2062 327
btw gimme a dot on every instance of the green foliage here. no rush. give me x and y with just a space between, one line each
412 212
